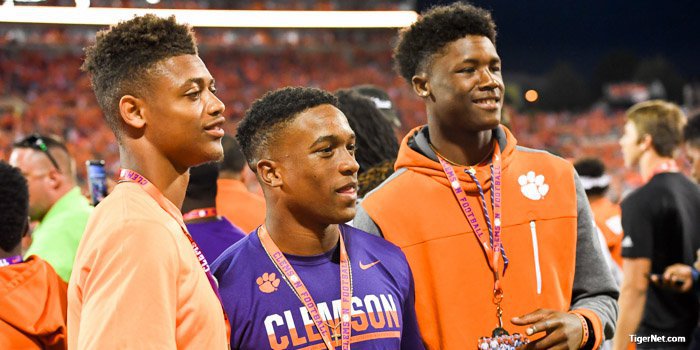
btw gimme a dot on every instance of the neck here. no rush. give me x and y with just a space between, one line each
225 174
649 161
294 237
169 179
16 251
459 147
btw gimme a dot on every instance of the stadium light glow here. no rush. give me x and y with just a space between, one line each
211 18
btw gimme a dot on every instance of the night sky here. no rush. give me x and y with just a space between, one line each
533 35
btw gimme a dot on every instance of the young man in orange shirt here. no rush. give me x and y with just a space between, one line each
498 236
139 280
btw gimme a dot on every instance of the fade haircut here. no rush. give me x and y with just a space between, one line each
271 113
122 57
691 132
437 27
375 138
14 206
661 120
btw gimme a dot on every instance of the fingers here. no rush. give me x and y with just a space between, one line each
554 340
546 325
533 317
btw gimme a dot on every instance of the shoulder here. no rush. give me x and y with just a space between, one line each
362 242
241 252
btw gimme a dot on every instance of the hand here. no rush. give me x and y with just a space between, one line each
563 330
676 277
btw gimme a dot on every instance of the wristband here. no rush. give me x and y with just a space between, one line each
584 327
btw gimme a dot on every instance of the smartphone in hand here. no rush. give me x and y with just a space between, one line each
97 180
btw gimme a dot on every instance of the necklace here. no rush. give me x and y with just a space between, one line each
487 156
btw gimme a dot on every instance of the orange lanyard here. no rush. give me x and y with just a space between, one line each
127 175
199 214
298 287
493 248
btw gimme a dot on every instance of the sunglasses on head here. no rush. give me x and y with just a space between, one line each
36 141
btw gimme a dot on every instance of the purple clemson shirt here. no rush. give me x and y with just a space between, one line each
215 236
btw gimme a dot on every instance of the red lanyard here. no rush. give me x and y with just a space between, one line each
199 214
668 166
496 250
11 260
127 175
296 284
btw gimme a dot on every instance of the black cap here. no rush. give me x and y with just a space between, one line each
381 101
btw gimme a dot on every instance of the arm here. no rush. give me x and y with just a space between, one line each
130 292
594 293
410 335
632 299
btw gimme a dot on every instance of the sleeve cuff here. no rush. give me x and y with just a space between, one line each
596 330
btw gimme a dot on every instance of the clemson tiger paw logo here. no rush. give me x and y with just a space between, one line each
532 186
268 282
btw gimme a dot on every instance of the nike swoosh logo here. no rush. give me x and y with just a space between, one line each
367 266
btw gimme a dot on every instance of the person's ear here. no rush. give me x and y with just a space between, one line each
131 111
645 142
55 178
421 85
269 173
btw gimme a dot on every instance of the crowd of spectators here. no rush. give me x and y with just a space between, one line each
43 89
294 5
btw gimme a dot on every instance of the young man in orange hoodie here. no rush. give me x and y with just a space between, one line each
32 295
498 236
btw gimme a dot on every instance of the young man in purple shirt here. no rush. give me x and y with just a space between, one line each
212 232
305 279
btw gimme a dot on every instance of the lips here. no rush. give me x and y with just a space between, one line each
213 128
349 189
488 102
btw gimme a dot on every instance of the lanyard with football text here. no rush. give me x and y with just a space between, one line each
127 175
11 260
493 248
200 214
669 166
298 287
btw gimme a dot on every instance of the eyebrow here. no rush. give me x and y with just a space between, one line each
329 138
475 61
198 81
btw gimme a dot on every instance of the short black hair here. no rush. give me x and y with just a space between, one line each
270 113
691 131
14 206
437 27
591 168
375 139
120 59
234 159
202 185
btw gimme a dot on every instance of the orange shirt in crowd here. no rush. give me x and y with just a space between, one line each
137 283
32 306
243 208
607 218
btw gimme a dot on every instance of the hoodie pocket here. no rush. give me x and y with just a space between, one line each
536 256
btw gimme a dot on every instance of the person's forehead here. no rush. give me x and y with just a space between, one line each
179 70
318 119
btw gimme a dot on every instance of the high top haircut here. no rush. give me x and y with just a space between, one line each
121 60
271 113
14 206
691 132
662 120
375 141
202 185
437 27
591 168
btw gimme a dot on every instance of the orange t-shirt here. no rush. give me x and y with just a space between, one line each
607 218
243 208
137 283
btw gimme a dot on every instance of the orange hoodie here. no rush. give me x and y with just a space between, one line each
607 218
32 306
547 233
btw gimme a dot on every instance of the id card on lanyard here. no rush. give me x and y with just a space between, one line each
127 175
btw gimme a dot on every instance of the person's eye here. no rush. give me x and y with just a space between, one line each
326 151
352 148
194 94
469 70
496 68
